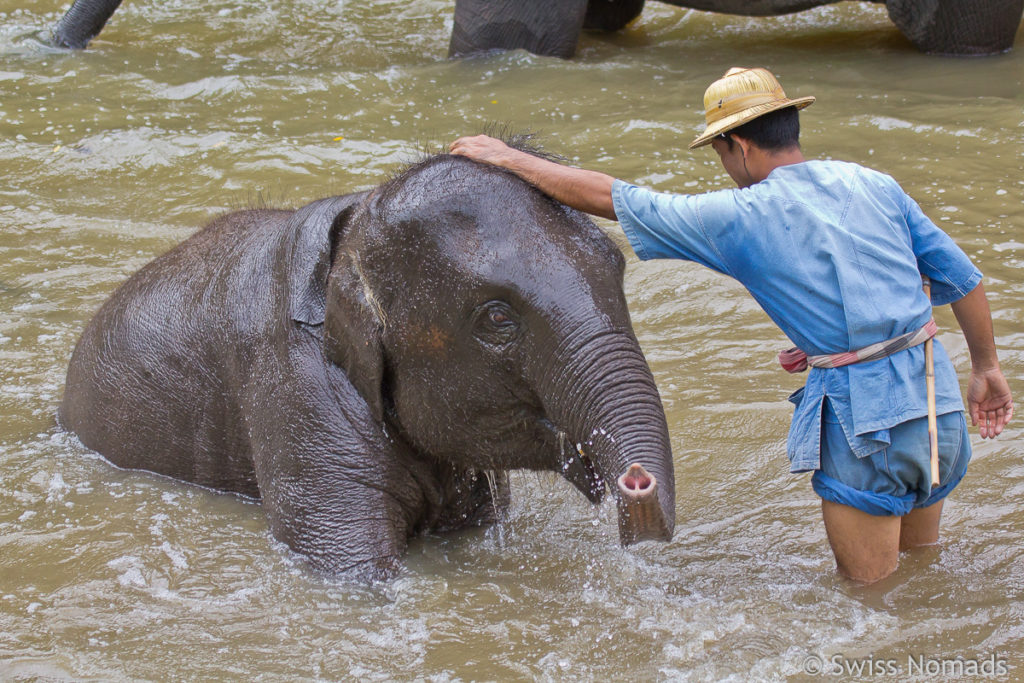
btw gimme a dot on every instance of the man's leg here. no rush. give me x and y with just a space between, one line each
866 547
920 527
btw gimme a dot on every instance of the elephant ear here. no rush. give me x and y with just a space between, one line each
315 229
327 288
353 329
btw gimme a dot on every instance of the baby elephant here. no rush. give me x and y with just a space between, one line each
362 363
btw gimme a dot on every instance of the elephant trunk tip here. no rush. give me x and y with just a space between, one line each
636 481
641 515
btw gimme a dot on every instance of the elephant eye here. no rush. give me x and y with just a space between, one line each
496 323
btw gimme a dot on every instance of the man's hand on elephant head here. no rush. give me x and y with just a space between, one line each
482 148
583 190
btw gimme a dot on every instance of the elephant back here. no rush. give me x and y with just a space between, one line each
153 381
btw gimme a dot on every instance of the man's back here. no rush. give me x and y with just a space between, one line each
814 243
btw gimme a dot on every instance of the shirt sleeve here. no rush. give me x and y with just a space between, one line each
951 271
662 225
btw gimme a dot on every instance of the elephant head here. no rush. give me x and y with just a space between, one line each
485 325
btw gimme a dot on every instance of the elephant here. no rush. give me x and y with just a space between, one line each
371 365
943 27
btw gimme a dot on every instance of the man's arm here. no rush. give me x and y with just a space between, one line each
588 191
988 395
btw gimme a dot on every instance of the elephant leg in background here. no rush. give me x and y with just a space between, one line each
83 22
611 15
955 27
549 28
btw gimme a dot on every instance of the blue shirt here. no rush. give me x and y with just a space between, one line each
833 252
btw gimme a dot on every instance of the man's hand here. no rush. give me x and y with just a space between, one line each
588 191
989 401
481 148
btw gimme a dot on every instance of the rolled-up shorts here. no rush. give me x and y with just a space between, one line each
896 479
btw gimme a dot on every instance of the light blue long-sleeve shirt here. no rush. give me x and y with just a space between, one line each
833 252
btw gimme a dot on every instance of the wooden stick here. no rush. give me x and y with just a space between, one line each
929 369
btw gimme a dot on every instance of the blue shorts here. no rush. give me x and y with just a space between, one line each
896 479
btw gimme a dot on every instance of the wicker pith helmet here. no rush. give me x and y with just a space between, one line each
739 96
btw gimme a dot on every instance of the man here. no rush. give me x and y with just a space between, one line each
834 253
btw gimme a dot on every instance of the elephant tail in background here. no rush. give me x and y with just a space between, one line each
83 22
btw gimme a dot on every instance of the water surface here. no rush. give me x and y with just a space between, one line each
182 110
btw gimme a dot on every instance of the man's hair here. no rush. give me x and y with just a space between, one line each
772 132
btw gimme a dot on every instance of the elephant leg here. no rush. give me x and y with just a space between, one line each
335 487
355 530
83 22
341 505
611 15
955 27
542 27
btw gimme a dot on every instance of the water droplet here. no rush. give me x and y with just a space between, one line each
499 511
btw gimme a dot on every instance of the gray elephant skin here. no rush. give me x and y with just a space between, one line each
942 27
361 365
552 27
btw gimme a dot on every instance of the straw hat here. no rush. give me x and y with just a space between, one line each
739 96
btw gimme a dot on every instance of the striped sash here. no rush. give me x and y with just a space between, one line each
795 360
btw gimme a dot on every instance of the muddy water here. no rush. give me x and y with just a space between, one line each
182 110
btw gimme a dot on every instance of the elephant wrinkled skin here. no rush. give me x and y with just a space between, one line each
360 364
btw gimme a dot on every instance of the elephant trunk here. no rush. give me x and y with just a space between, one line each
607 402
83 22
641 516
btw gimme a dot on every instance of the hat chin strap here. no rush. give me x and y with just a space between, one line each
743 153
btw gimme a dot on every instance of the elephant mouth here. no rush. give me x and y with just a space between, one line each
576 466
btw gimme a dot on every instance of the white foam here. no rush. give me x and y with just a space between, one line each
176 556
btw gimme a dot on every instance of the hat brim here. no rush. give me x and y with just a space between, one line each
738 119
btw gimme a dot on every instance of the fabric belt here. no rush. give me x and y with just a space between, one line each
795 360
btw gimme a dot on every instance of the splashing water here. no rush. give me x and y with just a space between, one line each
497 495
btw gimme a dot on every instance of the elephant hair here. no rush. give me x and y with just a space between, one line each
524 141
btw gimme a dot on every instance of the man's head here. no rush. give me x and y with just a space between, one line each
751 123
740 97
751 151
776 131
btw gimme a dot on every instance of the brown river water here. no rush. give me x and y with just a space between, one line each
184 109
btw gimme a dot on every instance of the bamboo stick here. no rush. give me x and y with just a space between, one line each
929 364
